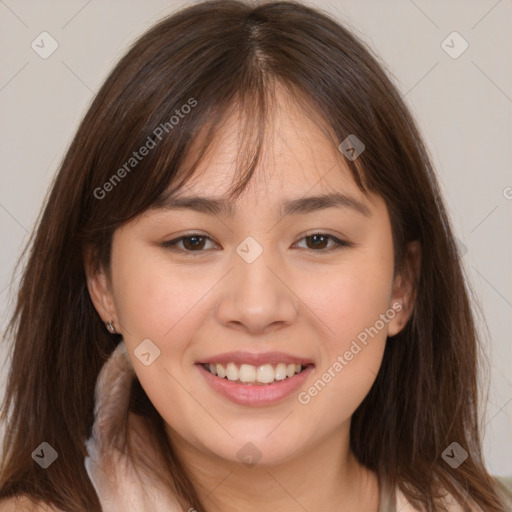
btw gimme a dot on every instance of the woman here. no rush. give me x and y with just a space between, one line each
246 256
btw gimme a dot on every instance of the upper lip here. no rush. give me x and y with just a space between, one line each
255 359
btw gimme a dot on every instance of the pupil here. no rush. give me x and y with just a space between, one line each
316 237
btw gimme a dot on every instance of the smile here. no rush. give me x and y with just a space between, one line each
251 374
255 380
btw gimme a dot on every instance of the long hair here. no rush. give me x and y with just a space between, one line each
212 57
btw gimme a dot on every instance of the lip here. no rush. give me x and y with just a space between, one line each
255 359
255 395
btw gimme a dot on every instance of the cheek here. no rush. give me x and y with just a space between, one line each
350 298
158 302
161 302
354 303
350 359
151 296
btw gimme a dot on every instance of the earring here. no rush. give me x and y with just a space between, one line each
110 327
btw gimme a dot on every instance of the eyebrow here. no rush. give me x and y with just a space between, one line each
300 206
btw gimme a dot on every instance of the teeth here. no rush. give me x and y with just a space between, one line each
232 371
247 373
220 371
280 373
265 374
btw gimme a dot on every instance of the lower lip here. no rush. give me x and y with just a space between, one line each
256 395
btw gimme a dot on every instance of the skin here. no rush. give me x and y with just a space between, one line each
294 298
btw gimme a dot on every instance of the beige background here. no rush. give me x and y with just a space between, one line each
463 107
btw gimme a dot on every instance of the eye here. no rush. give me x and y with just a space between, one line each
196 242
317 242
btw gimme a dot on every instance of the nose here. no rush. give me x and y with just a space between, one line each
256 298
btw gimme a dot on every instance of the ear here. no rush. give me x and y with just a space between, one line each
403 296
100 289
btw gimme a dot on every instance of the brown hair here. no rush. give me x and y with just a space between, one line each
219 54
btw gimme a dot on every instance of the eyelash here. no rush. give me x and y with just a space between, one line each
172 244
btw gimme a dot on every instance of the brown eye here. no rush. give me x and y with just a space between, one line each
196 243
190 243
319 242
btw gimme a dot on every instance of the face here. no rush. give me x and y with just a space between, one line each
265 291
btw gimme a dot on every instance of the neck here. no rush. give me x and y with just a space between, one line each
324 477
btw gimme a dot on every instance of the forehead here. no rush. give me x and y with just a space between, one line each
299 155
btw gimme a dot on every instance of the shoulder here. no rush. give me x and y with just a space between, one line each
24 504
